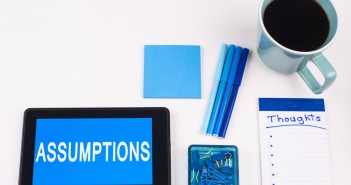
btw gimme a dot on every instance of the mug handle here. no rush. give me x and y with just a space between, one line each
324 66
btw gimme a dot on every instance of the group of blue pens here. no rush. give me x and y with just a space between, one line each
229 73
213 167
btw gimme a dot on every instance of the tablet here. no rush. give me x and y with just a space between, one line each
95 146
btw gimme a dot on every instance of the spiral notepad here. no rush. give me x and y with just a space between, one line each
294 142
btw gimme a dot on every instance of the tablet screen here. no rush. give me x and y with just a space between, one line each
93 151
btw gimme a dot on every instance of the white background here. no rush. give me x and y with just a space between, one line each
70 53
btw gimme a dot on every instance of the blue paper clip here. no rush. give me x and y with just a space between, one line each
195 155
218 157
198 167
209 163
227 169
213 172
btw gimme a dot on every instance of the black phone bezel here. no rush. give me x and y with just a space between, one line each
161 154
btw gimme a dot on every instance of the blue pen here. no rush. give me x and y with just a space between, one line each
237 83
217 78
221 87
228 89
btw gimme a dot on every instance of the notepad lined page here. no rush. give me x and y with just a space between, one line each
294 142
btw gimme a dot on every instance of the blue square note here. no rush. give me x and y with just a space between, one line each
172 71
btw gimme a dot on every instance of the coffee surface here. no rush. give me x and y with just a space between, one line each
300 25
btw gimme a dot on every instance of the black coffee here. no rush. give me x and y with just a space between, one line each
300 25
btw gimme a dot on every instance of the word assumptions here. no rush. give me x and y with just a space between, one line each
92 151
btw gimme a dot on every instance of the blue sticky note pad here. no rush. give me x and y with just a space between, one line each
172 71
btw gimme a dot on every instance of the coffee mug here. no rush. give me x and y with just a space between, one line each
292 33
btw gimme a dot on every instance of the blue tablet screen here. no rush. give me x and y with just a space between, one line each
93 151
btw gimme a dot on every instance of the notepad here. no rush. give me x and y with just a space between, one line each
294 142
172 71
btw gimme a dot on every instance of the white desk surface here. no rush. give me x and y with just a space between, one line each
85 53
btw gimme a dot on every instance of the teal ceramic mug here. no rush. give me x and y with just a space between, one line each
284 58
